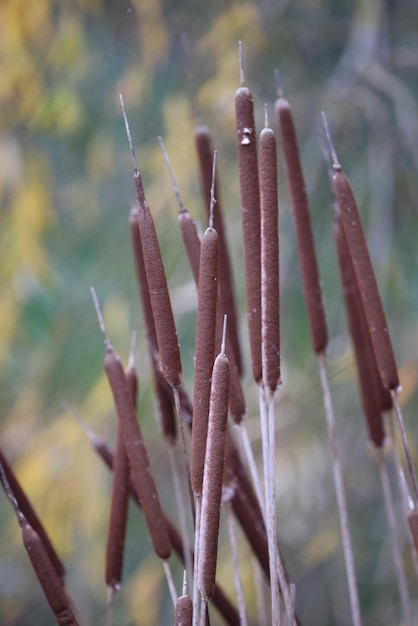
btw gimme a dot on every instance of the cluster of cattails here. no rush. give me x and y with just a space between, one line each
208 433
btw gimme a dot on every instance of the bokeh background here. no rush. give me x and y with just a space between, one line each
65 193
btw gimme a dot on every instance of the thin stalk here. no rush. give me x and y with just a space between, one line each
259 591
252 467
396 552
184 447
341 500
270 514
411 470
170 582
203 608
109 606
196 595
235 561
181 511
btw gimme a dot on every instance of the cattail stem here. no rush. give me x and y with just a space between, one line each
259 585
109 605
170 582
341 500
404 438
184 448
396 551
235 561
252 466
196 595
181 512
271 515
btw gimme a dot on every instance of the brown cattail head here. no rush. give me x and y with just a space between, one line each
142 277
50 582
120 493
368 374
250 206
31 516
212 479
366 280
306 248
204 352
270 299
184 612
137 454
160 300
167 341
226 283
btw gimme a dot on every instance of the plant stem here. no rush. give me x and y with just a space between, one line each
339 488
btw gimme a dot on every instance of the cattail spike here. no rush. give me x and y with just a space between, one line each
279 88
171 174
131 361
335 164
9 493
99 316
128 132
224 334
266 115
212 190
241 65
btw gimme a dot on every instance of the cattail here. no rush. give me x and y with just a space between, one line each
226 283
212 478
163 395
366 280
204 352
192 245
120 496
250 207
51 583
141 276
270 312
302 220
137 454
31 516
167 341
184 608
368 374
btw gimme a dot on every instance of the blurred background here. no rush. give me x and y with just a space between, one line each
66 189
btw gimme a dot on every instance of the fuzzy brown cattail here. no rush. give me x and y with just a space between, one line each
213 473
51 583
141 276
192 245
184 611
250 207
226 283
204 352
120 498
167 341
164 397
138 458
302 220
368 374
31 516
270 298
366 280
